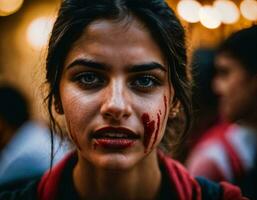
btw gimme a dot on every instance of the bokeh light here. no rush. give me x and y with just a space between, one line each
38 32
249 9
209 17
8 7
189 10
228 11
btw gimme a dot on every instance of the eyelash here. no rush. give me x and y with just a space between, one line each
136 85
101 81
90 85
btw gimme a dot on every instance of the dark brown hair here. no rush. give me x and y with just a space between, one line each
75 15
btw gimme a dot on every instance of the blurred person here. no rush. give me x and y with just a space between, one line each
229 150
24 144
204 101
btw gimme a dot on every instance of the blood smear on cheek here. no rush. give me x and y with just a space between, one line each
148 129
165 105
157 130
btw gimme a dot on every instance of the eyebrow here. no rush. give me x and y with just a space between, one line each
101 66
147 67
88 63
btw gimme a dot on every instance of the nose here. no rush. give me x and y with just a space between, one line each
116 105
217 85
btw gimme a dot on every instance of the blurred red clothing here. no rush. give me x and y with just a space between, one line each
225 152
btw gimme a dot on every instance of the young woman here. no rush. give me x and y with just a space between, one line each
117 74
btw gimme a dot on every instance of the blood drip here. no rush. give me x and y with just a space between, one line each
165 105
148 129
157 130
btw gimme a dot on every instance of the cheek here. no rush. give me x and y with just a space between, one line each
154 123
78 109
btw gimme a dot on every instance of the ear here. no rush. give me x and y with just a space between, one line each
58 106
175 108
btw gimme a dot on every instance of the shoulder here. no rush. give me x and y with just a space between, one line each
181 182
188 187
224 191
231 192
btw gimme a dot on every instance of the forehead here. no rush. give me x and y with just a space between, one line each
124 40
224 60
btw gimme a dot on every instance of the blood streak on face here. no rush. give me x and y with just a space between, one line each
157 130
165 105
148 129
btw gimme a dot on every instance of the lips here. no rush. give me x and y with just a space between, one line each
114 138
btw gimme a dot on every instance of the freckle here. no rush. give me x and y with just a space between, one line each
160 112
148 129
157 130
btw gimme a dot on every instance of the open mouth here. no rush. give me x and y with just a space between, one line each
114 133
114 138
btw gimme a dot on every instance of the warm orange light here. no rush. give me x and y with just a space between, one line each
38 32
228 11
8 7
209 17
249 9
189 10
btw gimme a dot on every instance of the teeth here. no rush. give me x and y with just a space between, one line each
115 135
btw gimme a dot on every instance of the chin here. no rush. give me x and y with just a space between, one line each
231 117
114 161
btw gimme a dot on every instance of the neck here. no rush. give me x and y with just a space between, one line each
250 120
140 182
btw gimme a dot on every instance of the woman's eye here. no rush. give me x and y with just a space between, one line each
145 82
89 79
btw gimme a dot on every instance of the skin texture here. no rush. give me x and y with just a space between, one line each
237 90
119 96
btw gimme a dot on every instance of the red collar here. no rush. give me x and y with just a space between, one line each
186 187
48 185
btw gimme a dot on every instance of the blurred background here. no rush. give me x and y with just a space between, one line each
26 24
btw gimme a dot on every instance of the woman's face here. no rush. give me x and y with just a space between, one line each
236 88
115 94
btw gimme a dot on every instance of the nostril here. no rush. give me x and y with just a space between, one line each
107 115
115 113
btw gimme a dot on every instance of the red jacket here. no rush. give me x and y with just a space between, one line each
186 187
